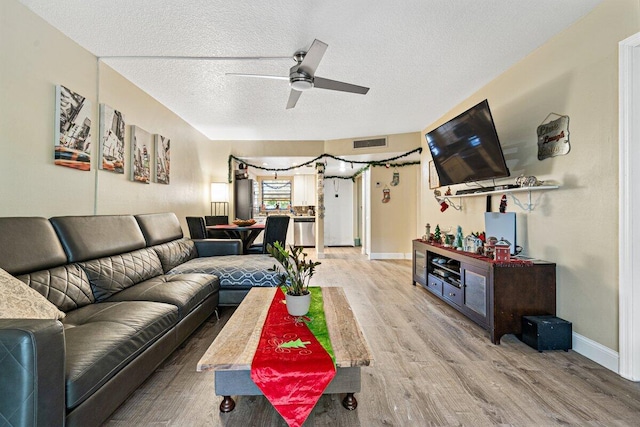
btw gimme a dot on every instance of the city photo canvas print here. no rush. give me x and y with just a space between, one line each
112 127
141 142
73 130
162 159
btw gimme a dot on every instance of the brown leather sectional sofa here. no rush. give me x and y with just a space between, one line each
124 314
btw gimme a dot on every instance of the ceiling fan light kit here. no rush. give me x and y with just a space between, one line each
302 75
301 82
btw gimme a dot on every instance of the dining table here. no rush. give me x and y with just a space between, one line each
246 233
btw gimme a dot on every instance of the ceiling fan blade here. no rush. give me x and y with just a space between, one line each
313 57
260 76
321 83
293 98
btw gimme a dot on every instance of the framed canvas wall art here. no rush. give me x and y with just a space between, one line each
72 130
141 142
112 127
163 163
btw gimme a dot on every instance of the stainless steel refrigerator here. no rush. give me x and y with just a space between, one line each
243 198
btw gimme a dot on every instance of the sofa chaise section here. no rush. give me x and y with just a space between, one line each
221 257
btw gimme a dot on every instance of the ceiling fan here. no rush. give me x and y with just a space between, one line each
302 75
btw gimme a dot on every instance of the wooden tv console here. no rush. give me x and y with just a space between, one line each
495 296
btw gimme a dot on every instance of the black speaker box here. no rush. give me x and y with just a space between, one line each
546 333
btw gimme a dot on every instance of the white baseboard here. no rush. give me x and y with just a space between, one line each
389 255
595 351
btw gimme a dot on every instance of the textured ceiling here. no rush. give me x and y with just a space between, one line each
419 57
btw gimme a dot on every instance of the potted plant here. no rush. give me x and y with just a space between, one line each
295 273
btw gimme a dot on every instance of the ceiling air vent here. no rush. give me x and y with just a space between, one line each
370 143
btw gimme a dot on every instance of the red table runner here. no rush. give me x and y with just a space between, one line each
290 366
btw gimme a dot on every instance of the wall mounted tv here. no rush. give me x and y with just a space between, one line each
467 149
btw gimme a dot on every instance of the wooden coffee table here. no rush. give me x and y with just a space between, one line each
231 353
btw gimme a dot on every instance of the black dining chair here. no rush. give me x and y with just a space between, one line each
216 220
275 230
197 230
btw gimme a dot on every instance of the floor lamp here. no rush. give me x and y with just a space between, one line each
220 199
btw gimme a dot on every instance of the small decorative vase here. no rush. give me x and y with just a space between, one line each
298 305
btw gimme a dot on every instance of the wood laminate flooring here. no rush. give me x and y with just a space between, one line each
432 367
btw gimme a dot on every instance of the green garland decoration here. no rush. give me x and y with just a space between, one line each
375 163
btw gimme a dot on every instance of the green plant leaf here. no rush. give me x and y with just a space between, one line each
296 271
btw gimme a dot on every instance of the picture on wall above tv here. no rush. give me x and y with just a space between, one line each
467 149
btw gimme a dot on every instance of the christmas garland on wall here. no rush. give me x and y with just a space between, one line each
374 164
386 163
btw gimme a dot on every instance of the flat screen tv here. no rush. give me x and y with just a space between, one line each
467 149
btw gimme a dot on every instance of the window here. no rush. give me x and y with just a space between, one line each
276 194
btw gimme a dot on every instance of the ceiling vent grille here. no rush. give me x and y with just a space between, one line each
370 143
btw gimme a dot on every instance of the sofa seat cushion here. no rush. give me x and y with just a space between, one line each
103 338
185 291
233 270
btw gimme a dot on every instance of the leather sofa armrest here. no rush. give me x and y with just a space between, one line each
32 372
217 247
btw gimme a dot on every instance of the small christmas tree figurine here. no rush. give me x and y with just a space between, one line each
436 234
459 242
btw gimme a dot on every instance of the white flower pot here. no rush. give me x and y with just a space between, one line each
298 305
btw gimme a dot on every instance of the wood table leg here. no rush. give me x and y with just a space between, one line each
349 402
227 404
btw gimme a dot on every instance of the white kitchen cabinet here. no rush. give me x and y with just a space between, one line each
304 190
338 213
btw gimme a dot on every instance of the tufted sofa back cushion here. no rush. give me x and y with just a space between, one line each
97 236
110 275
67 287
175 253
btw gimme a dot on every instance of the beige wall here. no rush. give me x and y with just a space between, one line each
401 143
277 148
576 74
34 58
189 176
393 224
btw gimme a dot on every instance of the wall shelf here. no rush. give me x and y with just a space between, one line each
508 190
529 206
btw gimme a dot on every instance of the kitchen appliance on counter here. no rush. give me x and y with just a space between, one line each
304 231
